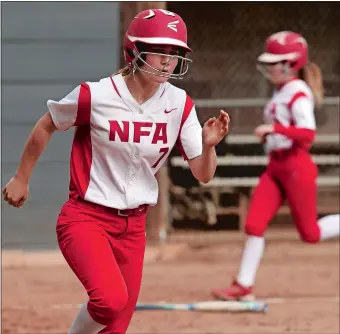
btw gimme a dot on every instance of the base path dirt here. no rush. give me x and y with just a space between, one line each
40 293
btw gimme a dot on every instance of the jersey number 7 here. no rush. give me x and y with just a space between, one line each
164 151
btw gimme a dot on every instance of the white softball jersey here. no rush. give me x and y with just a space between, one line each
291 105
120 144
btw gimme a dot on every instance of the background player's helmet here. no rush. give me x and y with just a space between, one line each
156 27
285 47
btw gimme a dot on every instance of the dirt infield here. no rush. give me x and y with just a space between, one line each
40 293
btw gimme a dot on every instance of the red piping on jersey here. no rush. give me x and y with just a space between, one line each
187 109
273 113
81 155
115 87
291 102
84 105
296 97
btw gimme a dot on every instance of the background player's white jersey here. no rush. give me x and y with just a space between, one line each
119 144
292 105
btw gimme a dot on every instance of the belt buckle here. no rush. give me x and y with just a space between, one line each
122 214
141 210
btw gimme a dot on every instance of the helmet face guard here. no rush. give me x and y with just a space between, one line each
180 70
263 68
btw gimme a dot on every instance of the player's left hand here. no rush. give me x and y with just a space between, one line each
214 130
262 130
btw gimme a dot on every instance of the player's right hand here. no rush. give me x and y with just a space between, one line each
15 192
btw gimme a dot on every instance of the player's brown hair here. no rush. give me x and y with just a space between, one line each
123 71
311 74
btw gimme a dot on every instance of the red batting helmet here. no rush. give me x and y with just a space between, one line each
288 47
156 27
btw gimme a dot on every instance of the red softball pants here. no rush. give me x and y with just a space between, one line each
291 176
106 253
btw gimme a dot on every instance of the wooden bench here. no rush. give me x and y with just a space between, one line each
320 139
257 160
243 186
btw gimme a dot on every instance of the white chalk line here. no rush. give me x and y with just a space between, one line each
306 299
287 300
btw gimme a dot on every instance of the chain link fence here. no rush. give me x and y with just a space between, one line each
227 38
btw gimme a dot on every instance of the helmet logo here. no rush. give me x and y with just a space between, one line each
150 15
172 25
280 37
153 14
302 41
166 12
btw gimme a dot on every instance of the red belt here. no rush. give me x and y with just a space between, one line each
277 155
282 154
124 213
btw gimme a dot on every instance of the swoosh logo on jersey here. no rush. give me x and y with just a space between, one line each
169 111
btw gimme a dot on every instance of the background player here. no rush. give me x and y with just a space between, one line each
288 133
126 126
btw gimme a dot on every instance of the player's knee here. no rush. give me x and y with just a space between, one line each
106 307
116 303
253 229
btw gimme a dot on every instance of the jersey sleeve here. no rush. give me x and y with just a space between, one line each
72 110
189 140
303 113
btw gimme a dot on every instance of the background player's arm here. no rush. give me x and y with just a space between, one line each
303 130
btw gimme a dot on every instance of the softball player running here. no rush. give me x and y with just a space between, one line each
126 126
288 133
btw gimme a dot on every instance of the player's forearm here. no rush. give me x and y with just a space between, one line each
34 147
299 135
203 167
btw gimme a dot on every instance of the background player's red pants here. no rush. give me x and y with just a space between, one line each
289 176
106 253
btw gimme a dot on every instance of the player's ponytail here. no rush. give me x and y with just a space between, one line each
123 71
311 74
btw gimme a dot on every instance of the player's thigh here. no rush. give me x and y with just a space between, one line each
129 253
301 191
265 201
86 248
